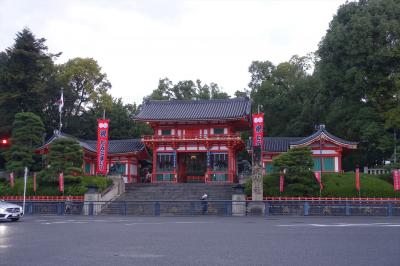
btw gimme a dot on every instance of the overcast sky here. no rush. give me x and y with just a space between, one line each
138 42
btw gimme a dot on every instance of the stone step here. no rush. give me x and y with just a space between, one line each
173 192
167 208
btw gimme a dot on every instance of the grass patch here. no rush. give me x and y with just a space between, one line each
337 185
76 186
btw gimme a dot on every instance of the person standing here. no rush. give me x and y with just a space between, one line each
204 204
68 205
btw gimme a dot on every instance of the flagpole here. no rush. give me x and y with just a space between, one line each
61 104
25 181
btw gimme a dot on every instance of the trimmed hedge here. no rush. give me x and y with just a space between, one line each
336 185
73 185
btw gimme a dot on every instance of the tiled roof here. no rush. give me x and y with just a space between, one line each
114 146
282 144
323 133
120 146
278 144
195 109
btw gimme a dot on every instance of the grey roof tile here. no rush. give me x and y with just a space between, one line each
282 144
114 146
278 144
195 109
322 131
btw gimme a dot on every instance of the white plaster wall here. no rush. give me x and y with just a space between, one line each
336 164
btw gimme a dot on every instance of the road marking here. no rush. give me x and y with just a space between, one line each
394 225
143 223
341 225
189 222
140 256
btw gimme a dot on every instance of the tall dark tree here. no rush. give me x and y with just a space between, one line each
122 125
359 66
288 95
25 69
26 135
186 90
65 156
260 72
85 88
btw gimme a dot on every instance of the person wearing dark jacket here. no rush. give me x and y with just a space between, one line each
204 204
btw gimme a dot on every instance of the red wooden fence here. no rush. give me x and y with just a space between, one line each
42 198
327 199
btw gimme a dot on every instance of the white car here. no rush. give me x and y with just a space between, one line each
9 211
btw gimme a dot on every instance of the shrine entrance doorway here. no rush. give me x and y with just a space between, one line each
192 167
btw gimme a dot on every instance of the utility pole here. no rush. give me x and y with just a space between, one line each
60 107
395 146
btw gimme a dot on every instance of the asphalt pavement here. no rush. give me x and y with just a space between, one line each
120 240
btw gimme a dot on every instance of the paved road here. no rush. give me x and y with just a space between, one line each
116 240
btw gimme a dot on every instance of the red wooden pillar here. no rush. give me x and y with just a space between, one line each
129 170
230 164
234 165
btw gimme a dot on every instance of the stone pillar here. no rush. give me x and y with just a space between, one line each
239 201
257 180
257 207
91 197
257 184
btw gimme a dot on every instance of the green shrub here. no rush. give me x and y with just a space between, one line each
335 185
73 185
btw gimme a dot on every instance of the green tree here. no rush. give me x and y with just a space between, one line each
85 88
295 161
217 93
260 72
163 91
122 125
299 178
359 67
288 95
186 90
25 69
65 156
26 135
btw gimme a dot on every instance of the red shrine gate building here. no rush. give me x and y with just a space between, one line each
195 141
327 149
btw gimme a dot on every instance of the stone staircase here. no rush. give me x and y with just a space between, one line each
158 199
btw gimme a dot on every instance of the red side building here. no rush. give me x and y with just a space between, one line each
195 140
327 149
124 156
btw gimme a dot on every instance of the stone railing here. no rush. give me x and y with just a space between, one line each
110 194
376 171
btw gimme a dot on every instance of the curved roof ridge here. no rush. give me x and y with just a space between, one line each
114 146
322 131
197 101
